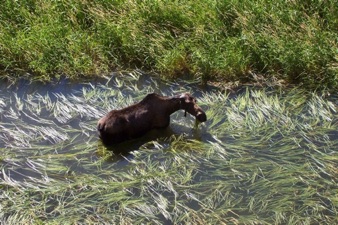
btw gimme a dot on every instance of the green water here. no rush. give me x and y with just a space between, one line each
264 156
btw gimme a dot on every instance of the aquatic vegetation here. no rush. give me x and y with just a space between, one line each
263 156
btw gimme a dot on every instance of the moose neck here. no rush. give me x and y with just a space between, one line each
173 104
169 105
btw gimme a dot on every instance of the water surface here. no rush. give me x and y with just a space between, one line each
263 156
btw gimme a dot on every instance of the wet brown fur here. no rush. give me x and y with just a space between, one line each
152 112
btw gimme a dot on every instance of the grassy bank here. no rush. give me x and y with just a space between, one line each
227 40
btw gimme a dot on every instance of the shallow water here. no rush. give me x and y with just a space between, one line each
39 118
263 156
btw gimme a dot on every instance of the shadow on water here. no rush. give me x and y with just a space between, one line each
123 151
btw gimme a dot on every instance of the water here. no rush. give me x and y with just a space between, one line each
263 156
39 118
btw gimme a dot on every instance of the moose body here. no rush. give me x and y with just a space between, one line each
152 112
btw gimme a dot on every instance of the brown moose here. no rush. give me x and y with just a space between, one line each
151 113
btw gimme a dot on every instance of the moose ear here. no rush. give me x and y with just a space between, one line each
182 96
185 97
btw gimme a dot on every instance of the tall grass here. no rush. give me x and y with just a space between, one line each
294 41
263 157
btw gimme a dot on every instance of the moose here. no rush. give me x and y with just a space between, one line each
153 112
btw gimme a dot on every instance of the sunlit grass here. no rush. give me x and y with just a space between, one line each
232 40
263 157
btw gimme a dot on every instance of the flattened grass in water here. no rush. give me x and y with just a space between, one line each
262 157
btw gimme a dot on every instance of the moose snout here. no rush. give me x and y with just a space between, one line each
199 113
201 116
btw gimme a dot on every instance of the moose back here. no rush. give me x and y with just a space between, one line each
153 112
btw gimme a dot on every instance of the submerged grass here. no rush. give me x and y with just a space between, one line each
294 41
263 157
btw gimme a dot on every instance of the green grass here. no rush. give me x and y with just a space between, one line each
292 41
263 157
